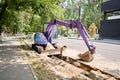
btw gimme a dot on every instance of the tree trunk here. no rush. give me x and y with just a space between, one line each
3 9
0 32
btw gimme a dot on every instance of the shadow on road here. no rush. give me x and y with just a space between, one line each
13 64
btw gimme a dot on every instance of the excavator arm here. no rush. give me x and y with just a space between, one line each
71 24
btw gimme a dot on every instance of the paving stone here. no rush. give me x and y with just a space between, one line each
97 75
112 78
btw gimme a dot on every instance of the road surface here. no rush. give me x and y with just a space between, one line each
107 56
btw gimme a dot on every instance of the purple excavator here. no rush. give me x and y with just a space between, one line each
42 39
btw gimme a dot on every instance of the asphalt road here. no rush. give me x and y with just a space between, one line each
107 50
107 56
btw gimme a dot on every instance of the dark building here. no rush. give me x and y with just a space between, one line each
110 25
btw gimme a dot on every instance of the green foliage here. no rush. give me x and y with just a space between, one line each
91 12
27 15
72 11
50 10
36 24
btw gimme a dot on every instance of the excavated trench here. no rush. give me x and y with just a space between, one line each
82 71
76 67
88 71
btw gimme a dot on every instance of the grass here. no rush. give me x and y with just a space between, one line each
42 70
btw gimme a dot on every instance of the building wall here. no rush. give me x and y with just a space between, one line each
110 28
110 5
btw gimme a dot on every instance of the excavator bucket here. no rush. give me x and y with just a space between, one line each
87 56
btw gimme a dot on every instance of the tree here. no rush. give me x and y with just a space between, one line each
71 12
38 11
91 12
9 12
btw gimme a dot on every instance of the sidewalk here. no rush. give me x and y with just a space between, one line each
110 41
13 64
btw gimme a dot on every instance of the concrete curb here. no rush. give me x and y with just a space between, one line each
32 71
101 41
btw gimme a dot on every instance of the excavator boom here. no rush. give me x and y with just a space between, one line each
71 24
